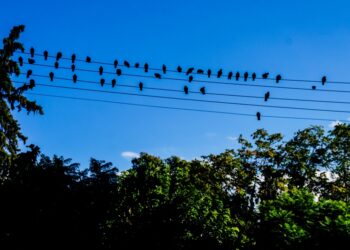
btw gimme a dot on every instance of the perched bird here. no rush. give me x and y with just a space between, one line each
179 69
219 73
278 78
46 54
137 65
254 76
100 70
314 87
200 71
146 67
115 63
73 67
119 72
127 64
265 75
157 75
114 82
74 57
29 73
186 89
56 65
75 78
32 52
245 76
20 60
164 69
202 90
58 56
140 86
237 76
51 76
189 71
229 76
267 96
190 78
209 73
31 84
258 116
102 82
324 79
31 61
88 59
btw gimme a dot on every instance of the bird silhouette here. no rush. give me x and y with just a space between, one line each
179 69
278 78
137 65
119 72
146 67
219 73
229 76
314 87
88 59
74 57
73 67
100 70
114 82
46 54
20 60
31 84
189 71
102 82
202 90
164 69
209 73
265 75
56 65
32 52
186 89
51 76
258 116
246 75
29 73
157 75
190 78
31 61
254 76
140 86
75 78
237 76
324 79
127 64
200 71
267 96
58 56
115 63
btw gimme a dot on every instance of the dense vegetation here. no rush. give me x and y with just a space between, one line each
270 193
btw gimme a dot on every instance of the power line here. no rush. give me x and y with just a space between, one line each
197 100
184 109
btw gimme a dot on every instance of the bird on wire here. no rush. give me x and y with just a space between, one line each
56 65
313 87
209 73
140 86
238 75
258 116
29 73
46 54
146 67
323 80
58 56
31 84
186 90
31 52
164 69
88 59
75 78
202 90
74 57
102 82
73 67
115 63
267 96
219 73
190 78
254 76
51 76
127 64
245 76
278 78
179 69
31 61
200 71
229 76
265 75
137 65
189 71
119 72
114 82
157 75
100 70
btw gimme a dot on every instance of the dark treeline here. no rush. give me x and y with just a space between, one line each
267 194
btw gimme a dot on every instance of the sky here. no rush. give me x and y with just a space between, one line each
297 39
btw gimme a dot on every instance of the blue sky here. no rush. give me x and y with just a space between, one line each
297 39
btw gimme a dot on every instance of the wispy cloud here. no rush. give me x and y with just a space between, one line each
130 155
334 123
232 138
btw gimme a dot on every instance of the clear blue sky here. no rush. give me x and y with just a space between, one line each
298 39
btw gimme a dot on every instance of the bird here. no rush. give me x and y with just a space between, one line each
73 58
75 78
209 73
56 65
137 65
200 71
32 52
127 64
164 69
51 76
102 82
179 69
157 75
114 82
245 76
189 71
73 67
146 67
186 89
254 76
46 54
258 116
324 79
190 78
265 75
229 76
29 73
237 76
313 87
58 56
20 60
267 96
115 63
278 78
31 84
100 70
219 73
119 72
140 86
202 90
88 59
31 61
